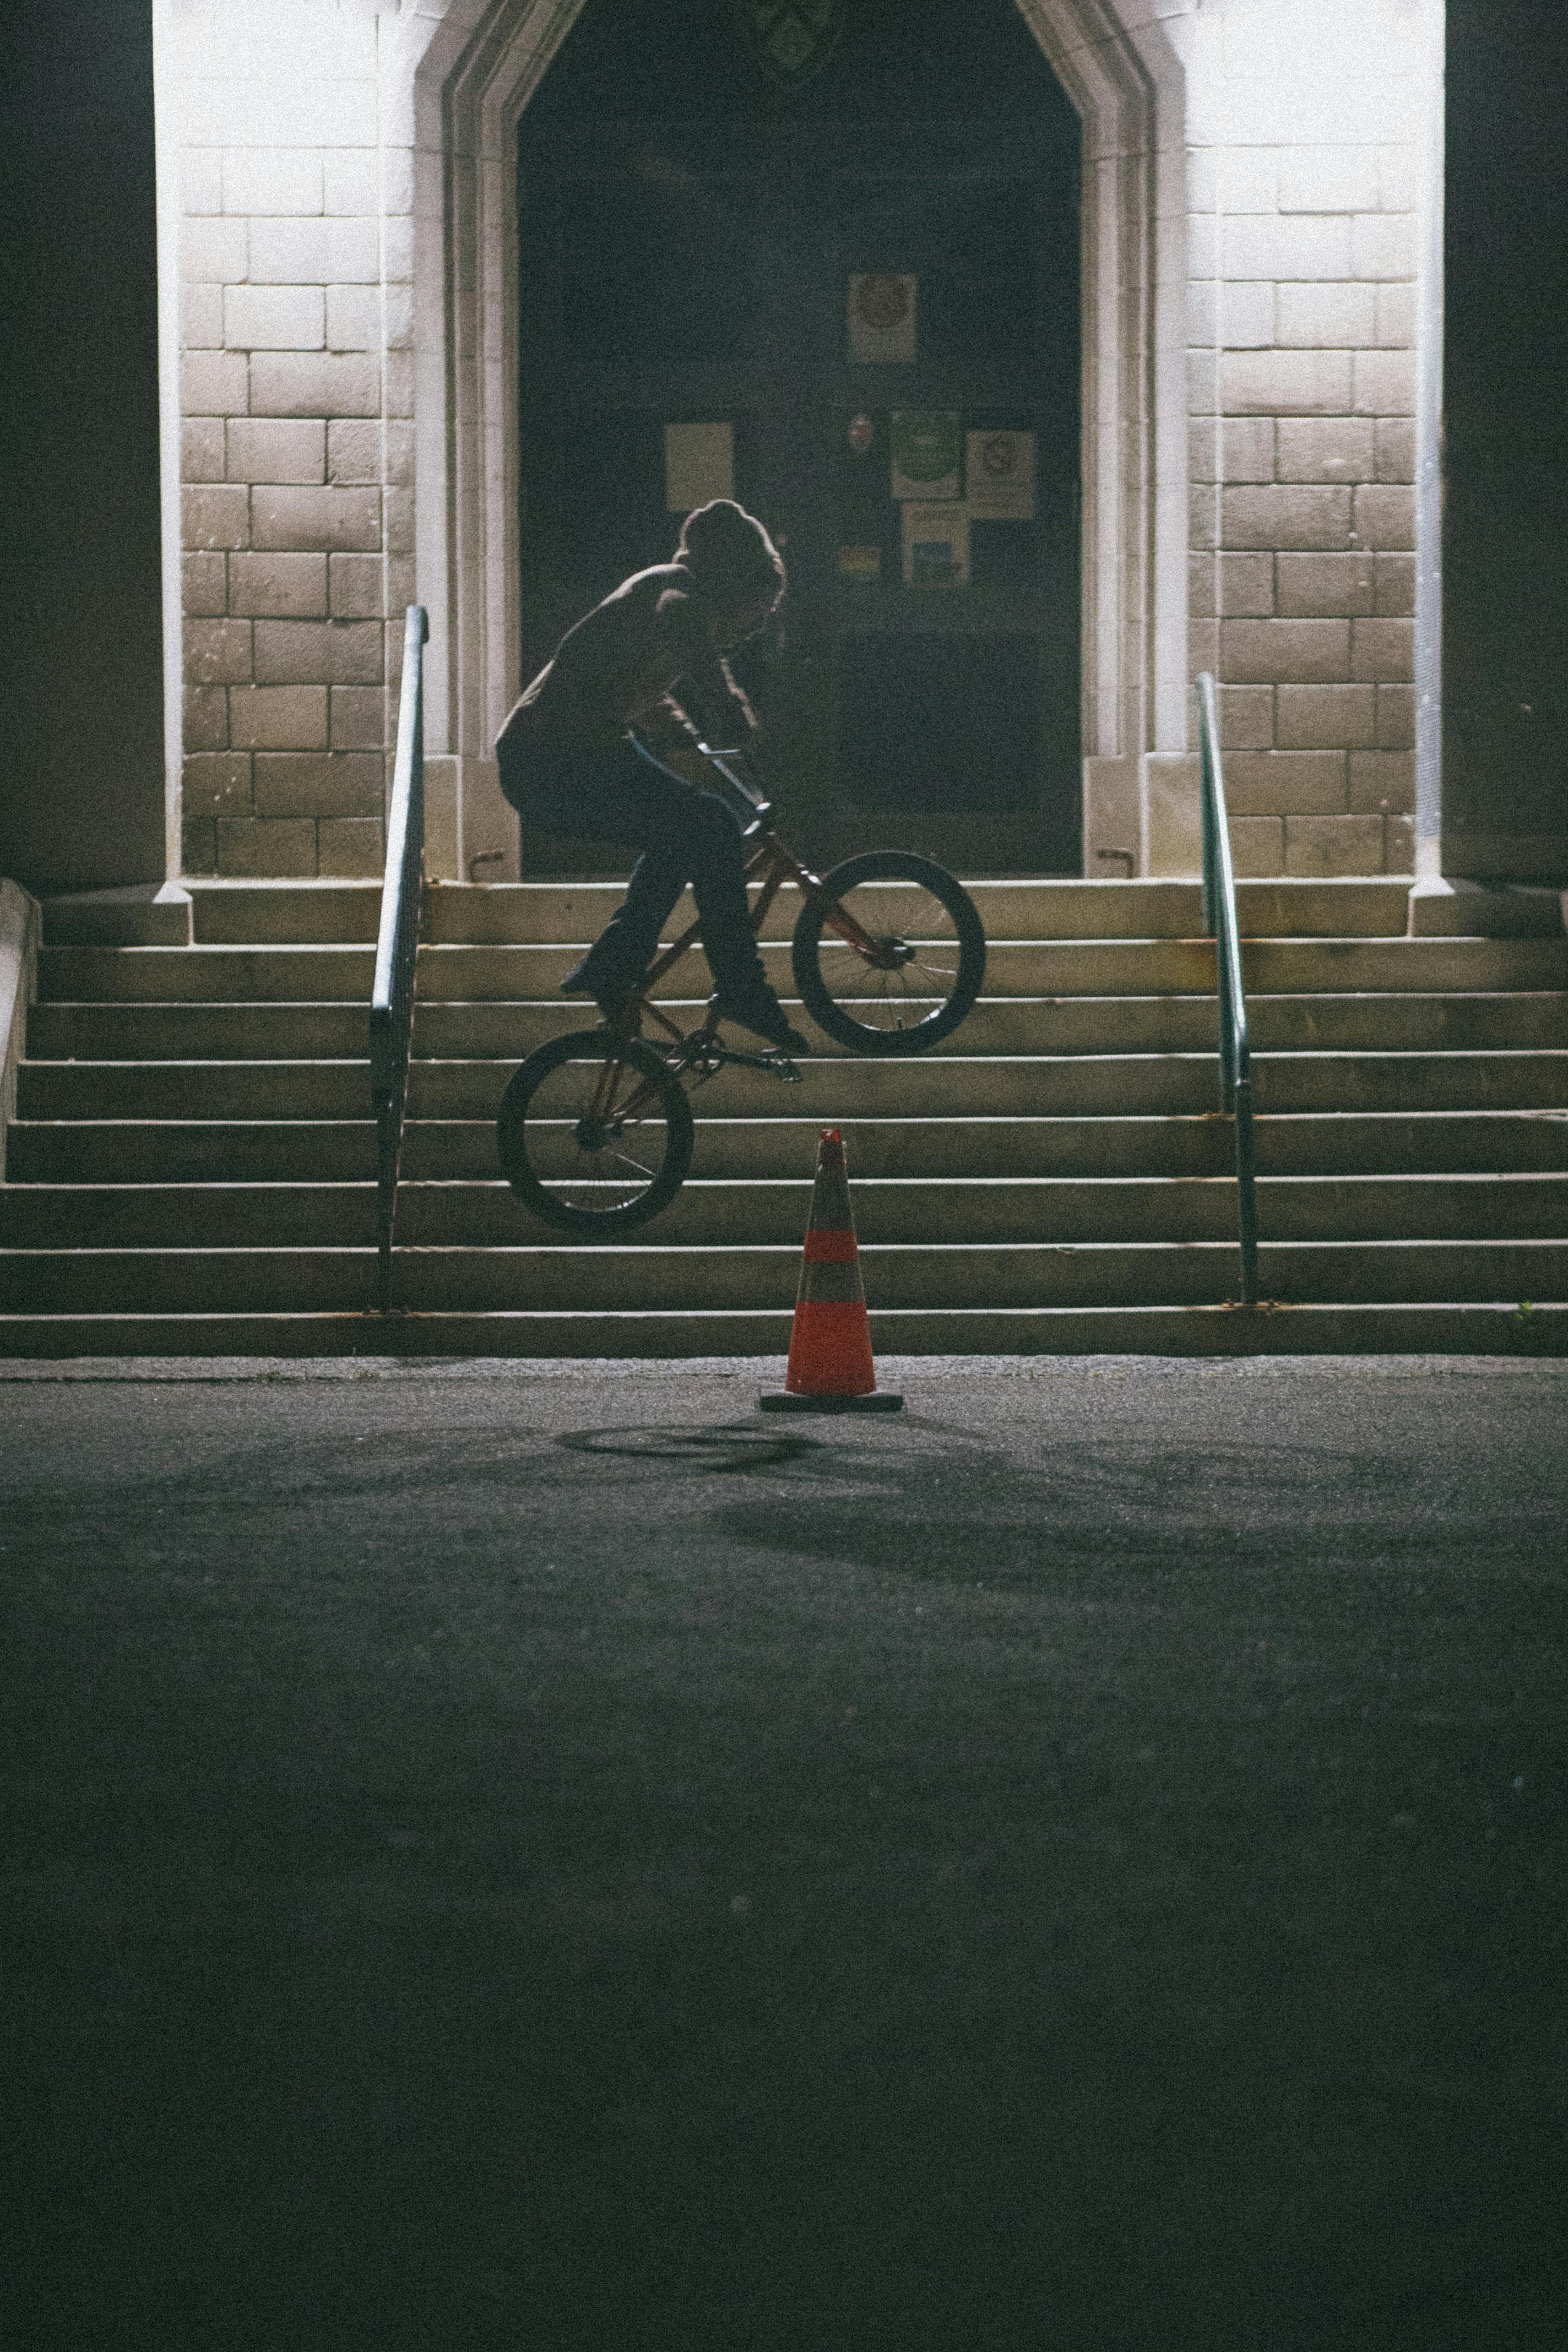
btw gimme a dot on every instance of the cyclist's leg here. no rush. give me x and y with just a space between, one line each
686 835
597 791
623 794
700 833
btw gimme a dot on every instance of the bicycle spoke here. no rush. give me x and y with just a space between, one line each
592 1139
919 963
939 978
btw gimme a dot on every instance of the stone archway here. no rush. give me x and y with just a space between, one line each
1124 79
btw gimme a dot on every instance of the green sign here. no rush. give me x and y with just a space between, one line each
927 453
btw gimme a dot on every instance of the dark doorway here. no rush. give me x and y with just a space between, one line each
82 795
1505 514
865 262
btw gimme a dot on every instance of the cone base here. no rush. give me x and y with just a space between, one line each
787 1400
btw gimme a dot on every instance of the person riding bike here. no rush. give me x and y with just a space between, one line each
570 763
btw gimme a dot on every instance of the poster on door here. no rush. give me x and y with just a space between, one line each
699 465
862 565
936 544
882 318
998 475
927 453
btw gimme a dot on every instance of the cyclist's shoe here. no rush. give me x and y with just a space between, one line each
756 1007
611 995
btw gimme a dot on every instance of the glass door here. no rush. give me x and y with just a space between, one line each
868 332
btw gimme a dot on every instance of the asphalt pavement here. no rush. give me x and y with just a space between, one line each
547 1856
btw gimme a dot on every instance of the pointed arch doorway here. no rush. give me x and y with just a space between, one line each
845 291
486 565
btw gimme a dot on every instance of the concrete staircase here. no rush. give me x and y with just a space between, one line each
191 1168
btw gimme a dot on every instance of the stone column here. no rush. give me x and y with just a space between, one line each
295 406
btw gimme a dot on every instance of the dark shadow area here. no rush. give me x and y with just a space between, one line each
81 799
1505 357
734 1446
1265 1511
1083 1869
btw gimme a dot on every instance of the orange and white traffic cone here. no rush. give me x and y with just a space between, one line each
831 1368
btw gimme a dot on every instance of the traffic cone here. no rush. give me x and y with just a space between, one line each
831 1368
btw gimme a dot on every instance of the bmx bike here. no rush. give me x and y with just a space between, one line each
595 1131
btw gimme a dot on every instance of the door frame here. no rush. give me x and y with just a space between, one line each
483 63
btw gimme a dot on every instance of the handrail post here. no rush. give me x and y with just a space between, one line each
1245 1192
397 943
1219 921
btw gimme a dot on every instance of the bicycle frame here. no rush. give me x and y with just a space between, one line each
772 864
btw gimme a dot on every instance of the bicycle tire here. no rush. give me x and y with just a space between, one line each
826 995
557 1176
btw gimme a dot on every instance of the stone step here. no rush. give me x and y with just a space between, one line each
276 914
901 1337
228 975
268 913
830 1090
192 1166
509 1032
340 911
1017 968
1049 967
224 1215
1032 1209
686 1279
1084 1085
1010 910
724 1211
1487 1020
215 1150
197 1152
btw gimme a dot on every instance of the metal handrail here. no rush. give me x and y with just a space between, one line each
1219 921
397 943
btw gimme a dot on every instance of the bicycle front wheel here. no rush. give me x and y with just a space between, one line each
892 956
595 1132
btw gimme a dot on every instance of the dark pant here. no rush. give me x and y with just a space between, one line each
620 792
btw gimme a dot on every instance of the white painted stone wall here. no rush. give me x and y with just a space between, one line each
297 404
1306 119
289 144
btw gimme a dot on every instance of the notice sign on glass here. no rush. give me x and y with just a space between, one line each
998 475
861 564
936 544
882 317
927 453
699 465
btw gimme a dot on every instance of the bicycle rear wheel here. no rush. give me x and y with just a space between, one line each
925 964
595 1132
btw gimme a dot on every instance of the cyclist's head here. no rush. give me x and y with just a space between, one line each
738 571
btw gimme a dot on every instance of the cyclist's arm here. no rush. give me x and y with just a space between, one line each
719 703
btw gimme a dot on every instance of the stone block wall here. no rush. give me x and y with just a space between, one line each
1303 246
297 402
294 126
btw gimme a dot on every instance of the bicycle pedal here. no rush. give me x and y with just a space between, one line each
783 1067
